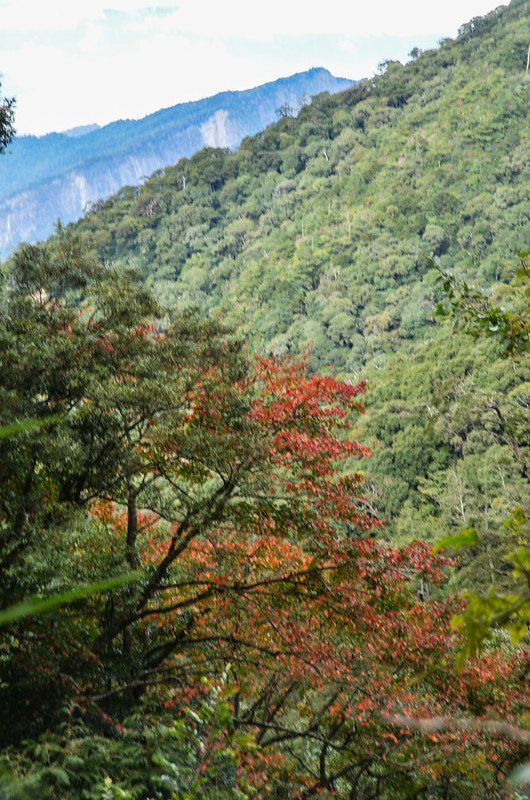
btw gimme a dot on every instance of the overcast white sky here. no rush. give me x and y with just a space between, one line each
71 62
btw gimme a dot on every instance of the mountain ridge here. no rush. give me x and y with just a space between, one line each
66 166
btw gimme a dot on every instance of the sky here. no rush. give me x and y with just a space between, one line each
74 62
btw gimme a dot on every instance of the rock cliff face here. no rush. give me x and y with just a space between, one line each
56 177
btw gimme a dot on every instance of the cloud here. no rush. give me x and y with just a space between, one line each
157 11
234 18
54 15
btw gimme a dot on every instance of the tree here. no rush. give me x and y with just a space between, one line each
78 344
7 116
285 110
511 328
475 312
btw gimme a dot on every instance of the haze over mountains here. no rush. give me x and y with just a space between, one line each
59 175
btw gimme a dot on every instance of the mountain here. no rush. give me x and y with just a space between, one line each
81 130
59 175
320 232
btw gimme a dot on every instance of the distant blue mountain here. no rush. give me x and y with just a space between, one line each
81 130
57 176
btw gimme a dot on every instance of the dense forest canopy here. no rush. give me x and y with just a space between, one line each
256 391
263 602
322 234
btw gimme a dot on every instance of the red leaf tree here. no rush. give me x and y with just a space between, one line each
265 559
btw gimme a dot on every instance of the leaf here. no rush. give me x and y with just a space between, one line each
465 538
520 558
517 629
39 605
518 516
59 775
29 425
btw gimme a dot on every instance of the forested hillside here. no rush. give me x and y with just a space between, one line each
238 406
46 178
320 234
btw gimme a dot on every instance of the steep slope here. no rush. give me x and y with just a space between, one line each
59 175
324 218
320 232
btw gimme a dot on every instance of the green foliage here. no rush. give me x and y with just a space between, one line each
7 116
497 609
449 425
464 538
26 426
480 317
37 605
150 755
319 235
